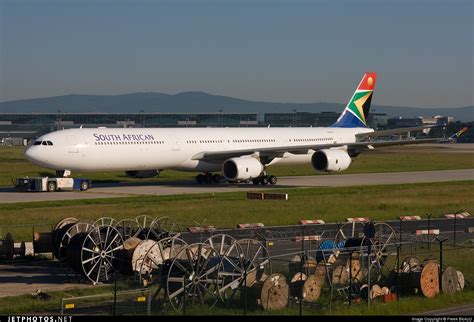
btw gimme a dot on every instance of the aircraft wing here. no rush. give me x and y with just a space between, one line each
216 156
395 131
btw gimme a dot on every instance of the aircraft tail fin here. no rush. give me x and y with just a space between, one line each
459 133
357 110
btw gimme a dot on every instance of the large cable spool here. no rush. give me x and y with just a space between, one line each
308 288
429 279
461 281
59 231
129 228
191 276
449 280
78 227
150 256
272 294
126 254
164 227
309 265
95 254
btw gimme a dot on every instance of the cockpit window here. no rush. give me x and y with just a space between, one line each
44 143
37 143
49 142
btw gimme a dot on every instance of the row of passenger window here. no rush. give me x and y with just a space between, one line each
128 142
312 140
234 141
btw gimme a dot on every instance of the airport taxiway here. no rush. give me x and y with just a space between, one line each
116 190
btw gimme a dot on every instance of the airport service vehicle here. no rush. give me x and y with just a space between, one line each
242 154
51 184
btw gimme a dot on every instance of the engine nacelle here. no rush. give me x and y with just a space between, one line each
242 168
142 173
331 160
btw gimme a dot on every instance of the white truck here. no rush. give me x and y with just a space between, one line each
51 184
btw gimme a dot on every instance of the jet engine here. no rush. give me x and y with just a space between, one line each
331 160
142 173
242 168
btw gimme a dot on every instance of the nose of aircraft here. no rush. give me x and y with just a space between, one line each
32 154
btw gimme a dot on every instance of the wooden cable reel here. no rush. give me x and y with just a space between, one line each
410 264
244 263
79 227
163 227
151 256
130 228
220 242
376 250
58 232
126 255
308 288
429 279
95 254
271 294
105 221
461 281
349 230
309 265
449 280
191 276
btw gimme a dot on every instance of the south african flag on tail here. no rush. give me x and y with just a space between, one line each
356 112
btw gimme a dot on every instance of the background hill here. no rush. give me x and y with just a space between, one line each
196 102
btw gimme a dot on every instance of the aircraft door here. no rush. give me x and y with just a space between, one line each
174 143
72 143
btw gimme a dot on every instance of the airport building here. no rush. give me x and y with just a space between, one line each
301 119
32 125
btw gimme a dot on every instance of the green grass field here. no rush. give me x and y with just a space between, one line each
228 209
409 158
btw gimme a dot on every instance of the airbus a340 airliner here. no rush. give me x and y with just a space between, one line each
242 154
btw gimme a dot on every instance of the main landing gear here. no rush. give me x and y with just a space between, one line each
208 178
265 179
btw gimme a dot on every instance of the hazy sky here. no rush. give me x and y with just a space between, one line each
284 51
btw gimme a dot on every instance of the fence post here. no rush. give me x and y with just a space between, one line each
429 238
399 246
368 277
148 304
302 259
454 237
115 293
440 273
350 278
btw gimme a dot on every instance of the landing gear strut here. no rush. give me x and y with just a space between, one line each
208 177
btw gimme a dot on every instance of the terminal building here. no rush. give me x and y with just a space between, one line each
31 125
301 119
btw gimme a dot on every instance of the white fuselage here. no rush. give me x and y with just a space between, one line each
124 149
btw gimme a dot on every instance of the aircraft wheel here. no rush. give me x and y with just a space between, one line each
256 181
272 180
216 178
264 180
208 178
200 178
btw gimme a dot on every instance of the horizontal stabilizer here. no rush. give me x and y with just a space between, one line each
394 131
